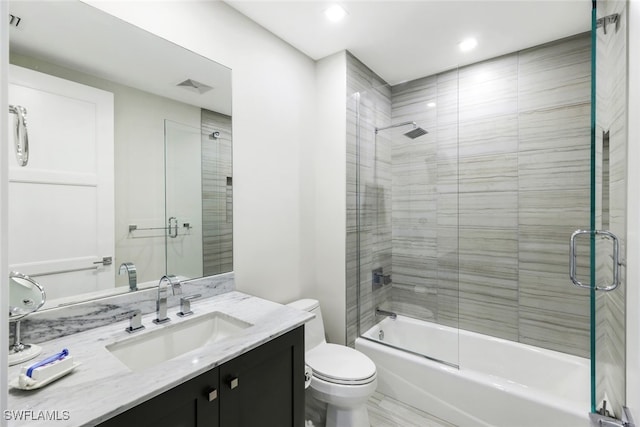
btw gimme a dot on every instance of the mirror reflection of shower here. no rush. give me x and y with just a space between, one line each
415 132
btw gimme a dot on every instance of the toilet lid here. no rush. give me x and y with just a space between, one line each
340 364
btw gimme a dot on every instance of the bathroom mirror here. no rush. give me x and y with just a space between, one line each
25 296
145 82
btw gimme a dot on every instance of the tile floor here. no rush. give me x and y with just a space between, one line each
387 412
384 411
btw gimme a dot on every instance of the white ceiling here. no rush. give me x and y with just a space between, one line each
403 40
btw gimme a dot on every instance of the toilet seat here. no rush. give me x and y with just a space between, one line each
339 364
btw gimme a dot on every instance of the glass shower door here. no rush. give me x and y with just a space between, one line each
183 200
608 208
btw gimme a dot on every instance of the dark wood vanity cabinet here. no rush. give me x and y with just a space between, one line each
263 387
183 406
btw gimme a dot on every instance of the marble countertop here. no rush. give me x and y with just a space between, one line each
102 386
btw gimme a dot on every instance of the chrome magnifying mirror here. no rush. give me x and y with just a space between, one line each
25 297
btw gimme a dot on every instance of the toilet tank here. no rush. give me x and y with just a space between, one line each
314 328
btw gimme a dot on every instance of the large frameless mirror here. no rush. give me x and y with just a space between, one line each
97 93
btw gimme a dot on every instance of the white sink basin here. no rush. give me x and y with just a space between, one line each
174 339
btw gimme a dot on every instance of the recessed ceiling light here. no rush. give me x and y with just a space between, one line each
468 44
431 104
335 13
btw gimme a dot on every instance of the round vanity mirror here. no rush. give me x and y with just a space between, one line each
25 295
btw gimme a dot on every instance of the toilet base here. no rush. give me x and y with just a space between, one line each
347 417
346 404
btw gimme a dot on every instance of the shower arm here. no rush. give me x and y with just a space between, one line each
397 125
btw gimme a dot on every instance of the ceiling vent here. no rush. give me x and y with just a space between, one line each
195 86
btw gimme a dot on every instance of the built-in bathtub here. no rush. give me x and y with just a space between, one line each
485 381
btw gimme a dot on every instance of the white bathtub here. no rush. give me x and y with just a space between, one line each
499 383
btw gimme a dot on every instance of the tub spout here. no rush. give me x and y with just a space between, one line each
380 312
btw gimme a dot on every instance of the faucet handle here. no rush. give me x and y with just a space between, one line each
135 322
185 305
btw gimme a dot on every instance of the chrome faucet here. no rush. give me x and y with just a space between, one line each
130 269
163 291
380 312
185 305
135 321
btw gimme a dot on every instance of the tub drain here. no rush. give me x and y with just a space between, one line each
381 335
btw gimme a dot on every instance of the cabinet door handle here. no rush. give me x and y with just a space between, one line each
233 383
213 395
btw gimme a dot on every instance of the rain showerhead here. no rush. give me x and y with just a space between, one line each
413 133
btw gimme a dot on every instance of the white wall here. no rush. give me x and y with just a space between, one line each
633 214
330 202
274 131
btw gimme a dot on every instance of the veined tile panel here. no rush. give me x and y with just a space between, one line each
488 89
491 210
447 100
447 158
555 74
555 330
489 174
488 279
490 135
553 186
448 272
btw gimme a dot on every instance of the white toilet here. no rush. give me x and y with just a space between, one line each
342 377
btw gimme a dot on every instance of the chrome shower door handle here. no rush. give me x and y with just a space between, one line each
21 134
573 259
616 260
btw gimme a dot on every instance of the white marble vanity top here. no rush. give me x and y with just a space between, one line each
102 387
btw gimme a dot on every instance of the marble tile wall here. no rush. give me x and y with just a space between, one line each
217 194
554 185
483 206
611 87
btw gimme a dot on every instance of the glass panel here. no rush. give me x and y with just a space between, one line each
608 204
199 196
183 200
407 213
